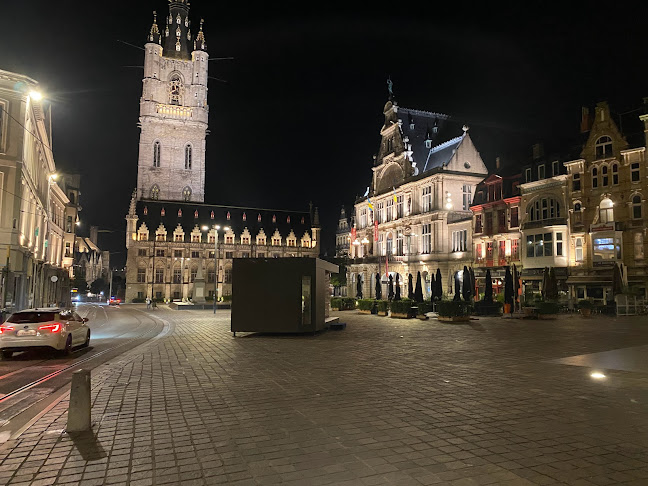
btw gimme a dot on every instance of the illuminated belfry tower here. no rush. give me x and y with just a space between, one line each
173 110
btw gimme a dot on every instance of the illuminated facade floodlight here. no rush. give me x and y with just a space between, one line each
597 375
36 95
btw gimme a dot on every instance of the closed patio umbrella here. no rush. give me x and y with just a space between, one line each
398 293
378 287
390 288
410 287
418 292
359 287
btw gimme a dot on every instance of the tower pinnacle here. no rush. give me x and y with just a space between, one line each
200 44
154 35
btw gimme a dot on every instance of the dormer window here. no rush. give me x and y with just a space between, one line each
428 144
603 147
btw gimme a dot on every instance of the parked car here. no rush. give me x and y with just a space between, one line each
114 301
55 328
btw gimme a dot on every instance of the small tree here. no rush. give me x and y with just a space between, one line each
545 282
488 292
418 293
439 285
473 289
432 287
552 288
378 287
410 287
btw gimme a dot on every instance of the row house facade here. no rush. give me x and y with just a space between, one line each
33 206
171 244
416 213
496 229
608 185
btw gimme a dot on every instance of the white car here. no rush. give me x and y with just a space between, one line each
51 327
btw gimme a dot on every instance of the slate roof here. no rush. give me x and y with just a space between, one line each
150 212
425 123
510 188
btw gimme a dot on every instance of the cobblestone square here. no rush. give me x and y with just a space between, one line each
385 401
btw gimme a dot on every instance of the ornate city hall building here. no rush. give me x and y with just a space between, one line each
416 213
176 243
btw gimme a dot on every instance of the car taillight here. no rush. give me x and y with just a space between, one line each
4 329
51 327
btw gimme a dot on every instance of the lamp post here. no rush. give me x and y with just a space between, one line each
216 228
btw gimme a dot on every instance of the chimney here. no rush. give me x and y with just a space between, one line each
498 165
538 151
585 120
94 234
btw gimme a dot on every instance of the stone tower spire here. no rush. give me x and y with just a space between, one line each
200 44
154 35
176 33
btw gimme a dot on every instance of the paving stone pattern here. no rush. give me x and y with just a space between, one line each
386 401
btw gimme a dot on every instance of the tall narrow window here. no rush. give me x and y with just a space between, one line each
603 147
638 246
636 206
604 172
426 199
390 209
576 183
527 175
175 90
478 223
594 177
554 168
634 168
399 243
606 211
155 192
559 244
541 171
467 196
427 238
156 154
399 206
579 249
514 217
188 157
615 174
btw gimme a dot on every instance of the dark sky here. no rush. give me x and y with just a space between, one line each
299 117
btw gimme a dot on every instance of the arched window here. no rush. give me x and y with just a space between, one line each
188 157
636 206
606 211
604 172
546 208
186 193
155 192
594 177
603 147
615 174
175 90
156 154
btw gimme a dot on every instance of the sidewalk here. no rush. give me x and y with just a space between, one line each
386 401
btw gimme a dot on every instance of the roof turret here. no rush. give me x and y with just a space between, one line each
154 36
177 34
200 44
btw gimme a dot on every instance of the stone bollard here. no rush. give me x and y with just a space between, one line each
79 409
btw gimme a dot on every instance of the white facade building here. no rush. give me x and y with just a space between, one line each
416 215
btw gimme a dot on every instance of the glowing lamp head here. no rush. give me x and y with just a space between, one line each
597 375
205 228
217 227
36 95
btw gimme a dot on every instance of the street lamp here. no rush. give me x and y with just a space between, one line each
216 228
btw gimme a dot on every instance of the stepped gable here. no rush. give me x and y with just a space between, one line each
188 221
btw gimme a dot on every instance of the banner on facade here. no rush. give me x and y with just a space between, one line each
353 234
375 230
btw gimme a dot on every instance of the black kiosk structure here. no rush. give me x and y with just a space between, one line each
279 295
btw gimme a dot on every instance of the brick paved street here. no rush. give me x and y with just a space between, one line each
385 401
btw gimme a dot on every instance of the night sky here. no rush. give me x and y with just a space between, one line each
298 119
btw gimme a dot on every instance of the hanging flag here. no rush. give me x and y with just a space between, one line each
395 198
375 230
371 206
366 192
353 234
